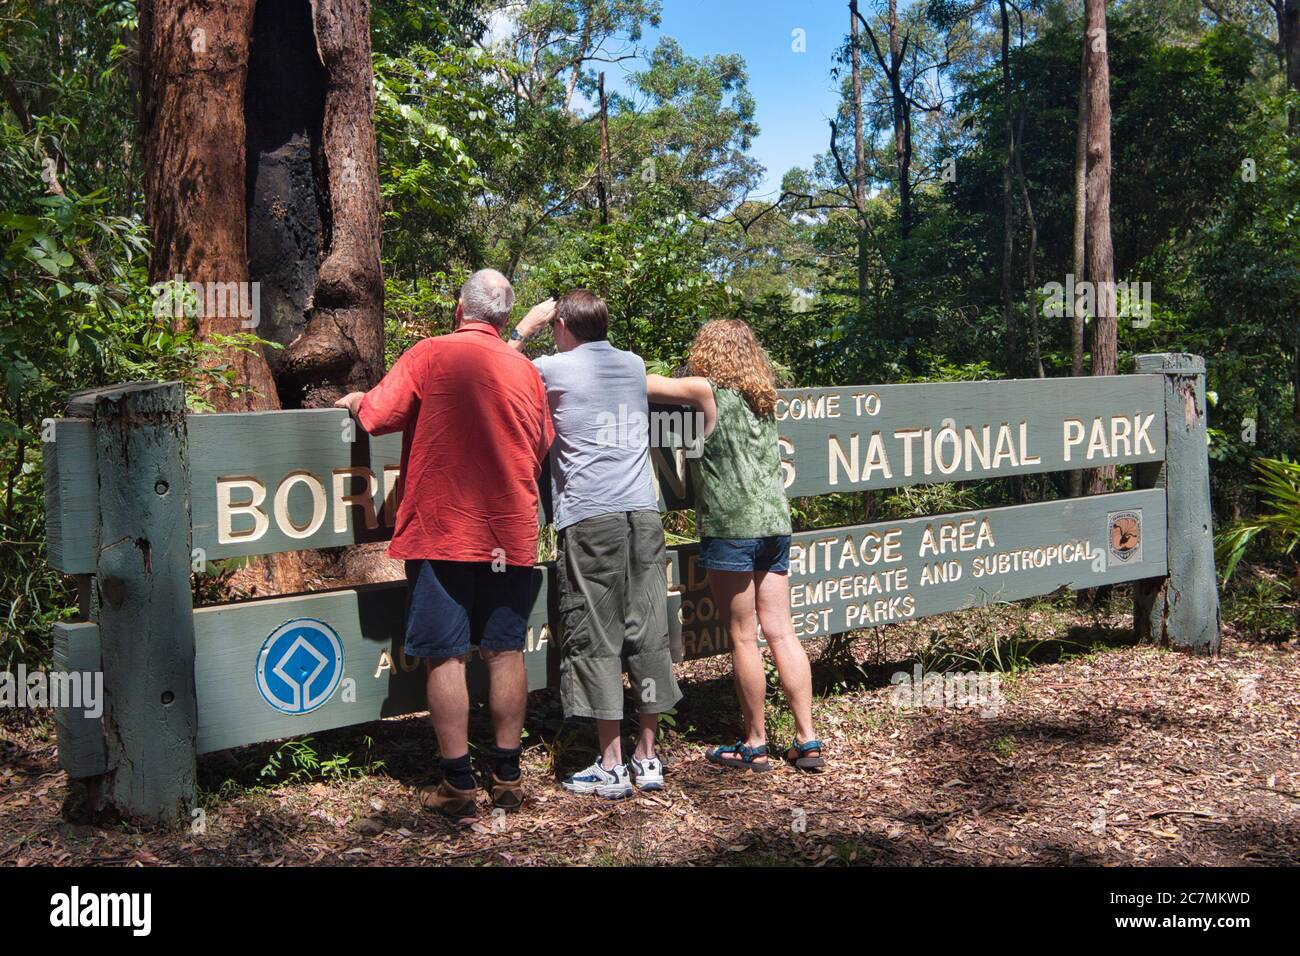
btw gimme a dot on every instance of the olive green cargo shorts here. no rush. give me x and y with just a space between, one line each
614 616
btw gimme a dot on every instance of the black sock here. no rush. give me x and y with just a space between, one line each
457 772
505 763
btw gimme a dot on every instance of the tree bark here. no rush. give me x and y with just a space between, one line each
261 170
1031 264
313 201
195 57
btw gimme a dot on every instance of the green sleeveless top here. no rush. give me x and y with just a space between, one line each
739 491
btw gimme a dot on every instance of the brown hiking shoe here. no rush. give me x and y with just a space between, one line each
507 795
456 805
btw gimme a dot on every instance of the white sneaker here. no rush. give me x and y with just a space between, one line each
611 784
647 774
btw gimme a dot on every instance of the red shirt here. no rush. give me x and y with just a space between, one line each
476 426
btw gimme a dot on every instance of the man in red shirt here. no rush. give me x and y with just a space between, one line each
476 427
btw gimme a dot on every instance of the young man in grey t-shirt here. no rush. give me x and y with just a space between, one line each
610 556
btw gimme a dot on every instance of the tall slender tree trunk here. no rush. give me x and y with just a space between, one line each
1078 262
1100 255
859 160
1008 204
902 123
1289 39
1031 263
602 175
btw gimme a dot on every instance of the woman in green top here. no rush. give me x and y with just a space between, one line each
743 519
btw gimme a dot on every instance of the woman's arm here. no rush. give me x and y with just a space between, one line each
693 390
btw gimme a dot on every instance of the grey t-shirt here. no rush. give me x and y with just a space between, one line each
600 460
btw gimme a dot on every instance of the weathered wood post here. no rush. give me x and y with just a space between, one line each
1183 608
145 613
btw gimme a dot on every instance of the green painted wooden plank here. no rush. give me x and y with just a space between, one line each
1186 611
368 621
71 497
842 579
80 734
146 627
264 482
891 436
376 679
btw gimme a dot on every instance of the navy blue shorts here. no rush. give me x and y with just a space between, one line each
451 605
746 554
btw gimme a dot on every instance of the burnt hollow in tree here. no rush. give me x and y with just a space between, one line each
287 197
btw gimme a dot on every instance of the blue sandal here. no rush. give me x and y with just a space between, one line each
797 756
744 759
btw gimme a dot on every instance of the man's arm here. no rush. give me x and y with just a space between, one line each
351 401
538 316
693 390
390 405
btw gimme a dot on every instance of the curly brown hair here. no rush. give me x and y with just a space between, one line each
727 352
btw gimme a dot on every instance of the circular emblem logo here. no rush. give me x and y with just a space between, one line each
300 665
1125 534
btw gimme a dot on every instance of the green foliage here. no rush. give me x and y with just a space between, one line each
76 308
650 267
1263 609
297 761
1278 520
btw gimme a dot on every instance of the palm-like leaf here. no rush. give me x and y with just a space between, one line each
1279 518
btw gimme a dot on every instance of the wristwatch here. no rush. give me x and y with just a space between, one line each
515 336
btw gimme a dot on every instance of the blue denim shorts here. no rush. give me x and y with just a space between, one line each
746 554
451 605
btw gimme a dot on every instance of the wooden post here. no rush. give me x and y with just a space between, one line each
146 622
1183 608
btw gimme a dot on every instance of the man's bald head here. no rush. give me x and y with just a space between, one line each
487 296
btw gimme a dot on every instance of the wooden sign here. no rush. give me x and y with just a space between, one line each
844 579
266 482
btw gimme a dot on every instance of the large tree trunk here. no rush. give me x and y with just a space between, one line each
313 197
1100 256
260 168
192 121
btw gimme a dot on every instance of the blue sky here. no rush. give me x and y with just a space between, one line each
793 92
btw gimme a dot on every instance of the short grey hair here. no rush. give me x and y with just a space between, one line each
487 296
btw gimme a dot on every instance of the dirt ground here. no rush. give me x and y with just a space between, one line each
1092 752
